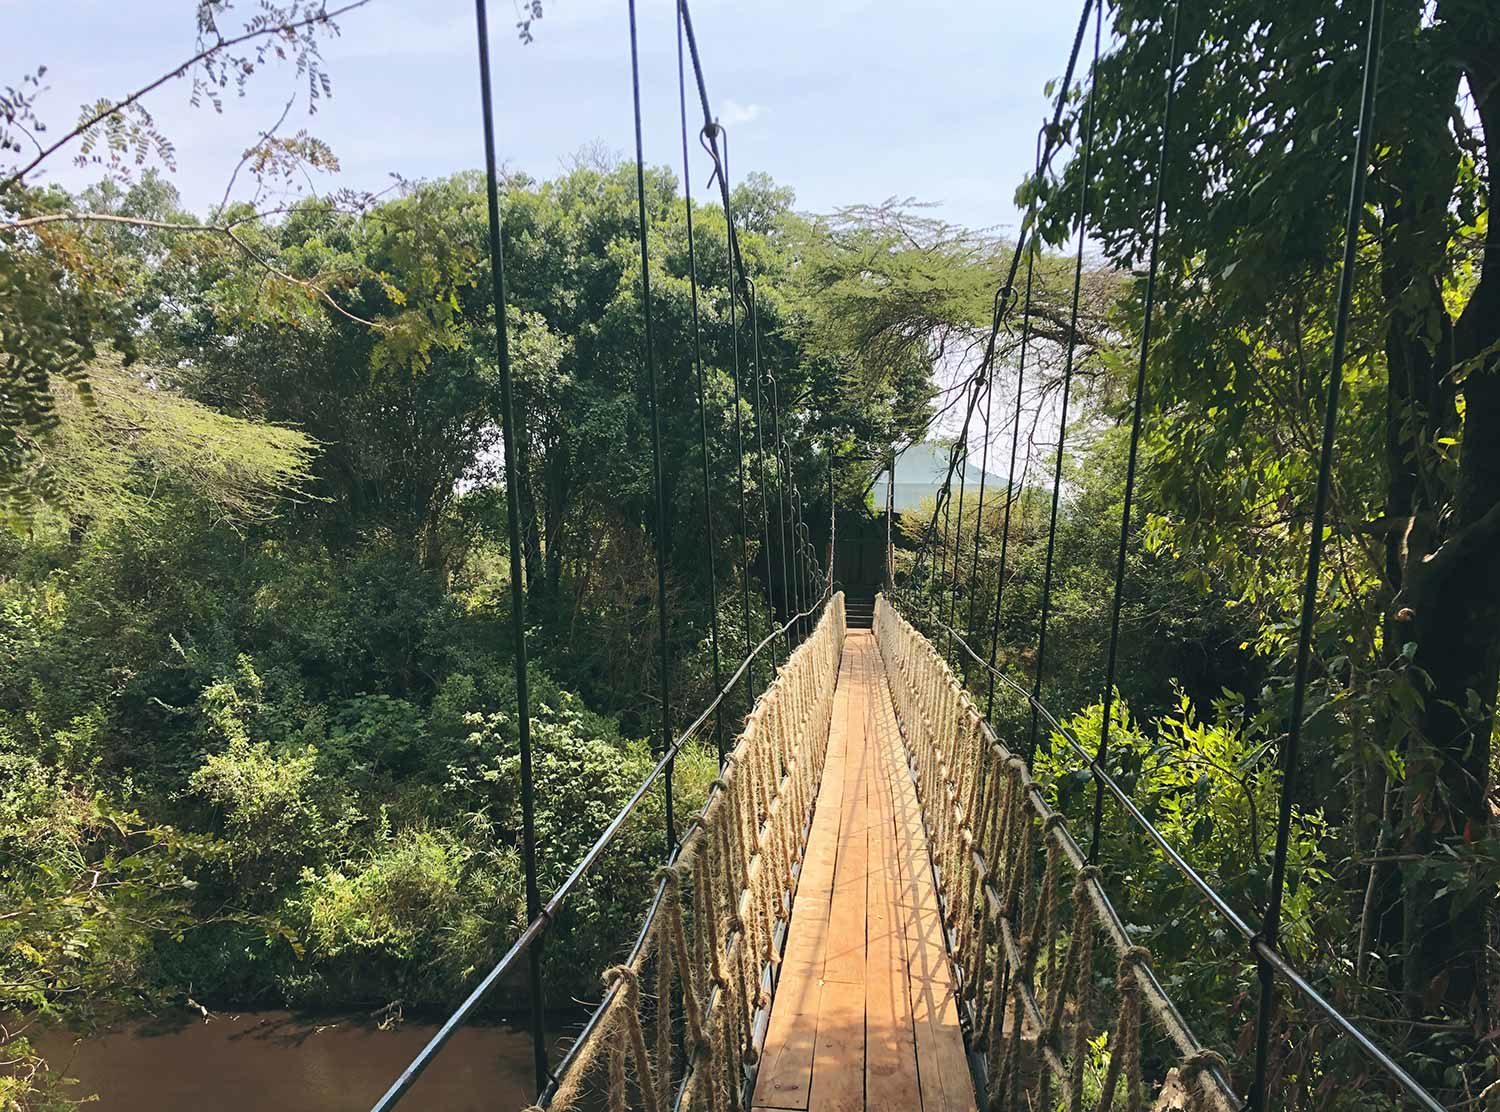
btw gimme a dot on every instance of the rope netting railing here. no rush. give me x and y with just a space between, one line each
1023 938
677 1025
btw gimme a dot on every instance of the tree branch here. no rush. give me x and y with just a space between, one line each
225 230
1481 534
323 15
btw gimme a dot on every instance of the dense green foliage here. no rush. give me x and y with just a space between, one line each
257 664
258 738
1395 864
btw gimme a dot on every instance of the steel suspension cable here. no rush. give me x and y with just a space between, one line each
958 532
890 514
1270 929
1005 294
799 550
708 518
782 511
833 518
803 546
1148 305
760 453
664 679
1062 423
739 452
1015 444
984 463
508 434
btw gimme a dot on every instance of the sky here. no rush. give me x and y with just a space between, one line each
846 101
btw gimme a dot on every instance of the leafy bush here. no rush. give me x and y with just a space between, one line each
1210 786
413 921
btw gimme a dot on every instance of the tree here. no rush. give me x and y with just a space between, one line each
62 299
1410 629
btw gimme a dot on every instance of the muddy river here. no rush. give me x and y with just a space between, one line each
278 1062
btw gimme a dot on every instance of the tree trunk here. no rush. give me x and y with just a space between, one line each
531 533
1450 595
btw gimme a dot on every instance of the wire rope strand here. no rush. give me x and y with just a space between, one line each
739 444
958 532
1006 293
1148 305
1062 420
760 453
984 463
517 567
708 518
664 683
1270 930
1015 444
782 512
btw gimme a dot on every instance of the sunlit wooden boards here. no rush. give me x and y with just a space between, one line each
864 1016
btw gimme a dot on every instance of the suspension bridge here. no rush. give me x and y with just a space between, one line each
878 906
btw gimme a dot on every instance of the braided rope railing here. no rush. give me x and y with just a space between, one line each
677 1025
1026 978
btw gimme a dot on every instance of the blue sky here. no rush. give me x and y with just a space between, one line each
846 101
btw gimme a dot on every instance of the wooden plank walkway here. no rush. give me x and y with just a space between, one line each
864 1016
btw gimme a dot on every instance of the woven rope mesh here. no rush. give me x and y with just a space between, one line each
678 1020
1041 951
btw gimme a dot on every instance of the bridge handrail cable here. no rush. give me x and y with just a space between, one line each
538 926
1258 945
1053 826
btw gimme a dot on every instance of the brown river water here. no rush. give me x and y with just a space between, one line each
279 1062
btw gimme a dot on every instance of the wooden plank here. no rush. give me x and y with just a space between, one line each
844 955
785 1078
943 1077
891 1083
864 1015
838 1061
838 1058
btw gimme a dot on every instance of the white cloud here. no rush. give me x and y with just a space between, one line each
736 113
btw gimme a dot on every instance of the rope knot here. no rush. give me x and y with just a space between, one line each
1052 822
1088 873
1130 959
624 976
1199 1060
670 875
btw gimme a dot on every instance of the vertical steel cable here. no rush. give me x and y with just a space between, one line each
739 440
804 554
782 511
833 522
1006 292
708 518
984 463
1149 303
665 683
760 452
1270 930
890 514
1015 434
508 432
958 534
799 547
939 567
1062 426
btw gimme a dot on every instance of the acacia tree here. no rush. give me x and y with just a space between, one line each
62 298
1410 632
